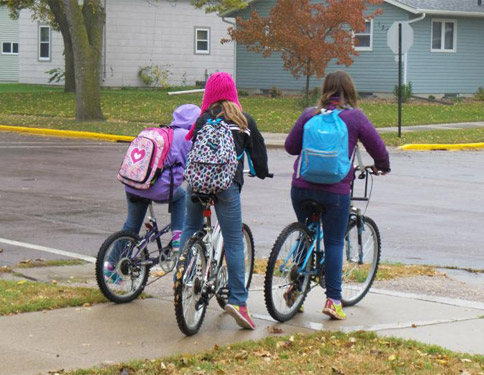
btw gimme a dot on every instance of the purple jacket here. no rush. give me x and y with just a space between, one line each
160 191
359 128
183 118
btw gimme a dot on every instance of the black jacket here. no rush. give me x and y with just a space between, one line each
250 141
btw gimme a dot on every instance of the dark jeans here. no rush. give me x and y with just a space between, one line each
335 221
137 210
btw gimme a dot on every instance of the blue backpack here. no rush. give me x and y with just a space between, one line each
324 157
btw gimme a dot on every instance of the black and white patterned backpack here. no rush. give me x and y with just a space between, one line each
212 161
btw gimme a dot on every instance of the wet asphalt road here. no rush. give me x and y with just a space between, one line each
63 194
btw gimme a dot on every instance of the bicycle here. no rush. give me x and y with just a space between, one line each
202 272
124 262
296 262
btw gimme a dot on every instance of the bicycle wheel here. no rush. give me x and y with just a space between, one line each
285 286
190 306
120 272
223 276
359 270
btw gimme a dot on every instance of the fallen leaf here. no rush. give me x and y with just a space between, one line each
242 355
275 330
216 347
392 357
414 325
87 305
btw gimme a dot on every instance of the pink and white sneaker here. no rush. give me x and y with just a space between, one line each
241 316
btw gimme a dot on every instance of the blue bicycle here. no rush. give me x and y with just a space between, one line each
296 262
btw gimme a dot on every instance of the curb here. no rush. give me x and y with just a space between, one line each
67 133
442 147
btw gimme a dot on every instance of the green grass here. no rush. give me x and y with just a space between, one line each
435 136
320 353
29 263
129 110
25 296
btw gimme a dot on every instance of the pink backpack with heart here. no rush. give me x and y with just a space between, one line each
145 158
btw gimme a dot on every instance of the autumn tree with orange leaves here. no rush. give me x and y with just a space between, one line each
308 35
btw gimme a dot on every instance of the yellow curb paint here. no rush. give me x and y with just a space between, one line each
67 133
430 147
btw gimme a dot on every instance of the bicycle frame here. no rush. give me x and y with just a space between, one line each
213 241
315 227
152 234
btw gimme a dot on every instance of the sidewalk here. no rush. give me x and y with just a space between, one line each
84 337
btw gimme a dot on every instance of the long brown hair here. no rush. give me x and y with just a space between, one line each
338 84
232 112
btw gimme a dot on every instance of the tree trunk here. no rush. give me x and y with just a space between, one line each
57 10
86 35
69 71
308 78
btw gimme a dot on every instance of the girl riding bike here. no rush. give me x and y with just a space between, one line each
220 102
339 93
138 200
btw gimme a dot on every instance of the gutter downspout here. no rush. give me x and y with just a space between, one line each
405 61
105 42
235 48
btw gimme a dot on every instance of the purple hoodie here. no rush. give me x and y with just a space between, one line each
183 118
359 128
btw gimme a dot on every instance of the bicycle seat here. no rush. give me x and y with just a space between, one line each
314 207
203 198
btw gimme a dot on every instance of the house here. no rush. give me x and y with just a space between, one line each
8 47
446 57
182 40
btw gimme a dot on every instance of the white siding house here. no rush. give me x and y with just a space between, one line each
9 47
182 40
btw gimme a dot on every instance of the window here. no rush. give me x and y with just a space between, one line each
202 41
364 40
44 43
444 34
9 48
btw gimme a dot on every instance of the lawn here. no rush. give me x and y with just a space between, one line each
320 353
25 296
129 110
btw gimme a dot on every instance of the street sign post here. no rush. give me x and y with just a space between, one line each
399 40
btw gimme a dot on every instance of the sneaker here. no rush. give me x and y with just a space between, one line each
241 316
290 295
175 246
334 310
111 275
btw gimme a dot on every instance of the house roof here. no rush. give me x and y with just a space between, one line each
468 8
450 7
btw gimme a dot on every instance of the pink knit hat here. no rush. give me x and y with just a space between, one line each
220 86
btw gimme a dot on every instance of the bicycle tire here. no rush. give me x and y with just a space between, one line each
192 260
114 268
358 277
276 299
249 251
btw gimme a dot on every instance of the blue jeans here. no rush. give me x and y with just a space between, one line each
335 221
137 208
229 215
